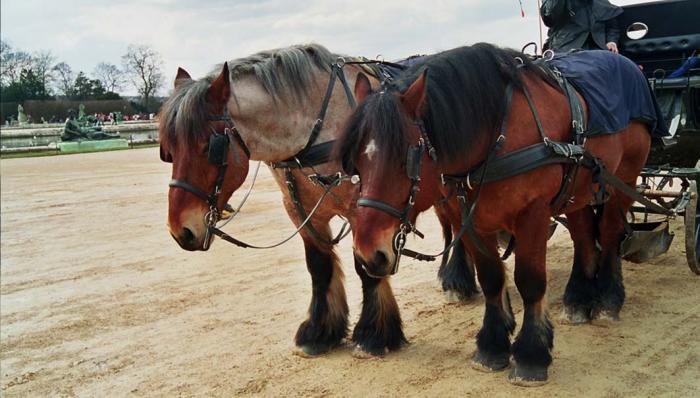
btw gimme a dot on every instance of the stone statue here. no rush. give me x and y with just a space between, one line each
76 130
81 112
21 116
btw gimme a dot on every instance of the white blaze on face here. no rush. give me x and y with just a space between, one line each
370 149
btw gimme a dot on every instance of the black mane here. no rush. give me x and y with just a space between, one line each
465 103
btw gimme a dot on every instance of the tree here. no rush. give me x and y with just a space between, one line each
143 65
85 88
110 75
28 87
12 63
41 65
63 78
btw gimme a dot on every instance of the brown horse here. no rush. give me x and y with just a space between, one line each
273 99
447 113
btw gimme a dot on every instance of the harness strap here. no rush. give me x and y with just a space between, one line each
336 72
313 156
578 122
608 178
305 223
578 125
190 188
301 212
231 129
318 124
366 202
535 115
346 87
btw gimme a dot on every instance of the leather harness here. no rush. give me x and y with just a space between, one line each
311 155
499 167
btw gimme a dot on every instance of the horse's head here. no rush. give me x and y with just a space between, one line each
209 160
385 145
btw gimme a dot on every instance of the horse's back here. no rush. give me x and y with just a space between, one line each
615 90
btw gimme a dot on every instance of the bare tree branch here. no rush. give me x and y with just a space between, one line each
42 62
11 63
110 75
143 66
63 78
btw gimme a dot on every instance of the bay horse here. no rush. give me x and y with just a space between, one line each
452 114
269 102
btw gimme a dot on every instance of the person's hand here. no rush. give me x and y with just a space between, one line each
612 47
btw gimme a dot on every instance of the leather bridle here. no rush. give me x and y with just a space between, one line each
219 144
414 159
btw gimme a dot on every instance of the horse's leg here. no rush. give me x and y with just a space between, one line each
456 274
610 288
532 348
580 291
379 327
327 323
493 340
635 141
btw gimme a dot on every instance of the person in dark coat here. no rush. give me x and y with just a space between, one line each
581 24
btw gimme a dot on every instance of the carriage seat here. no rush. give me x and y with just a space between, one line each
652 46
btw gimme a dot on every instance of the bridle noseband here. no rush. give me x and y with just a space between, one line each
219 144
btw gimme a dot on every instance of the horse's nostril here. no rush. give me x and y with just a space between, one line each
187 236
380 259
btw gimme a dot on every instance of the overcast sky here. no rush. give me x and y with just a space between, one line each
199 34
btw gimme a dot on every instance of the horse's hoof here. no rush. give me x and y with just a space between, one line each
575 315
360 353
455 297
528 376
606 315
490 363
308 351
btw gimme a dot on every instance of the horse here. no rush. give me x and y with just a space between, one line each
263 107
462 110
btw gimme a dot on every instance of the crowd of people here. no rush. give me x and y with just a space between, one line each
97 119
113 118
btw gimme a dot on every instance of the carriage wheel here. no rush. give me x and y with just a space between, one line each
692 227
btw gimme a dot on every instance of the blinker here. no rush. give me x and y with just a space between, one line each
218 149
165 156
413 160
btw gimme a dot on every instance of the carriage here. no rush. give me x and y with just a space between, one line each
663 38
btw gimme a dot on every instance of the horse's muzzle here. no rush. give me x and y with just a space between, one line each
190 242
378 267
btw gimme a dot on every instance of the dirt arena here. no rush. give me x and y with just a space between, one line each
98 300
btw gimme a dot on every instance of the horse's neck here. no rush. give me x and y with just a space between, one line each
277 132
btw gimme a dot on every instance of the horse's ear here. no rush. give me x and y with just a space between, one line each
362 87
220 88
413 98
181 77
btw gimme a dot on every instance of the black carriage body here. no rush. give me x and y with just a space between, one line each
673 37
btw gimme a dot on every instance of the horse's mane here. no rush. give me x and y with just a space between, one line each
285 70
281 72
465 104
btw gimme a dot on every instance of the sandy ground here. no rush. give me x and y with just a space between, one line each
98 300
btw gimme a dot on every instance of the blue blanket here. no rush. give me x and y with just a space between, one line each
392 72
615 91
